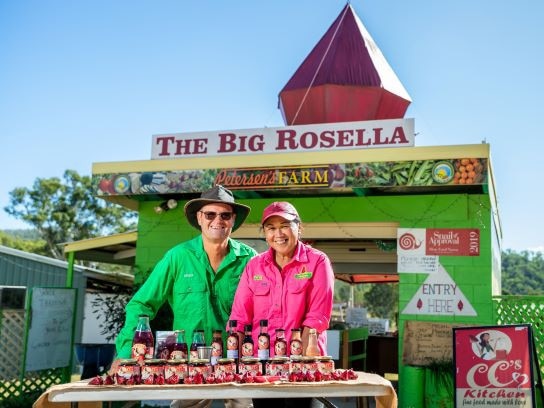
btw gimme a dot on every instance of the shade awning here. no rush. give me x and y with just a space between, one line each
119 249
353 260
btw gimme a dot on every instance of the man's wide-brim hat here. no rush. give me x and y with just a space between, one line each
218 194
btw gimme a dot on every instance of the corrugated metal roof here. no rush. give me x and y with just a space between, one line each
20 268
347 55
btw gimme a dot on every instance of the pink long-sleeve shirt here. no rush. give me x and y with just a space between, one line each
301 294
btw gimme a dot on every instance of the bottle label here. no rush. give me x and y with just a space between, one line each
280 348
263 354
232 346
247 349
217 351
263 344
141 352
296 348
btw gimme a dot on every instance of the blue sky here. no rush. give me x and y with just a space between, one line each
92 81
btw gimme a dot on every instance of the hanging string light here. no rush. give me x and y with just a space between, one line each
166 206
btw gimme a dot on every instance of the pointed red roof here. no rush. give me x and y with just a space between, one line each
344 78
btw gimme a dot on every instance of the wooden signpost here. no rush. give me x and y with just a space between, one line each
426 343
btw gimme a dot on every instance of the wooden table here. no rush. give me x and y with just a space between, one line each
366 385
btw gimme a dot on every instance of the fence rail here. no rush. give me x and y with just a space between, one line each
506 310
523 310
13 383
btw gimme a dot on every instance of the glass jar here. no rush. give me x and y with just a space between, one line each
128 372
278 366
175 371
313 348
198 341
325 364
295 344
152 372
295 364
217 346
309 364
224 367
280 344
143 344
199 367
249 366
180 349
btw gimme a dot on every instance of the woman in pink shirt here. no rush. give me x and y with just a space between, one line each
291 285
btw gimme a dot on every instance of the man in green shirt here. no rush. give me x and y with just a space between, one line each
198 278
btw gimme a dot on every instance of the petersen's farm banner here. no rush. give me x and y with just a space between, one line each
493 366
396 175
290 139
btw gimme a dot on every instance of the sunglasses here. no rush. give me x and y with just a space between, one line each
212 215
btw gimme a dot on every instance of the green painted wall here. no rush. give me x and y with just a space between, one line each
473 275
158 232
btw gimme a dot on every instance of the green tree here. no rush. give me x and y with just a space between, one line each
382 300
35 246
66 210
522 273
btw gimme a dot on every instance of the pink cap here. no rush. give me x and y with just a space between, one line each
282 209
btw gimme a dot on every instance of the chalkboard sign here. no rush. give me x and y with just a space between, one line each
426 343
49 341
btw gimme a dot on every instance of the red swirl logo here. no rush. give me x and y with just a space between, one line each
408 241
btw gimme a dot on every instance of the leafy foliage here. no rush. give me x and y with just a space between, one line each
380 299
12 240
25 234
111 307
66 210
522 273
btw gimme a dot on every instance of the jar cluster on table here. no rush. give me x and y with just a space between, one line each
226 370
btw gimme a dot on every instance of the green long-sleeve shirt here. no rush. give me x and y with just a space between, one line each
200 298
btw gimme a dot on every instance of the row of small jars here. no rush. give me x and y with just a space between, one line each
158 371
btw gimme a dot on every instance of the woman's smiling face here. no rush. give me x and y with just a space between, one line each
281 235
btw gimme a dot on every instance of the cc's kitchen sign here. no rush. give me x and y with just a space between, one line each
290 139
494 366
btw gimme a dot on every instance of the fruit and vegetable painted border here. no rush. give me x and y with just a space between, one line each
411 173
